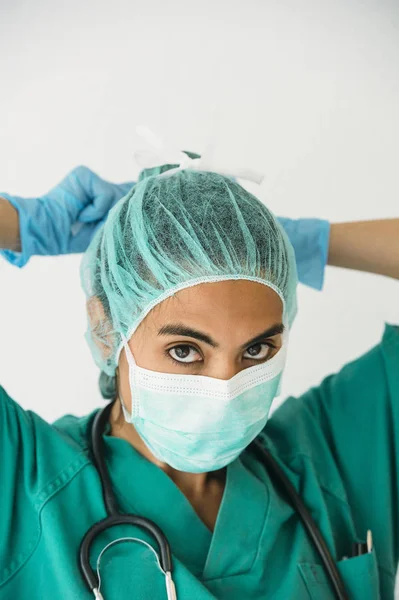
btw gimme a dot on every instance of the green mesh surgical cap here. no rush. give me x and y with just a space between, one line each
171 232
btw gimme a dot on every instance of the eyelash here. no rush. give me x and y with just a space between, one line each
188 364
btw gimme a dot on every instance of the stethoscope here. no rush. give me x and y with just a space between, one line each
164 556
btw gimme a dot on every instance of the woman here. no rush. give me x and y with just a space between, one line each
191 293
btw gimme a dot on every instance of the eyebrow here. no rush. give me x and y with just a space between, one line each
180 329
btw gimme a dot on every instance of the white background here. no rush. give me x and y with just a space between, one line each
309 94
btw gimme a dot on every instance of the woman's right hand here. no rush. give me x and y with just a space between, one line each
64 220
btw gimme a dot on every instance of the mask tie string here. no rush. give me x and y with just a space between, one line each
156 153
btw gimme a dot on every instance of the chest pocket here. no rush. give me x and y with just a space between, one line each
359 575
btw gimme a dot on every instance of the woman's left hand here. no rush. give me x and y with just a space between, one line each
310 239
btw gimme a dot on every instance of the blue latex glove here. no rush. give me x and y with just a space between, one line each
64 220
310 239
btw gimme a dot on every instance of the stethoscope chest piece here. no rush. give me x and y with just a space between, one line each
114 518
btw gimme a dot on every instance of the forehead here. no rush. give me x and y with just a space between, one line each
220 306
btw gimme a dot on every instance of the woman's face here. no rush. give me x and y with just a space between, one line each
214 329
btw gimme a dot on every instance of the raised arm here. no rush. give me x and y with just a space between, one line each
63 221
9 226
371 246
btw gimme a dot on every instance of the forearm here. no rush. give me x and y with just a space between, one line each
371 246
9 226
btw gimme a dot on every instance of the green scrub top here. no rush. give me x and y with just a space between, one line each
338 444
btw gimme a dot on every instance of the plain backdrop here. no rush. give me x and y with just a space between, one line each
307 92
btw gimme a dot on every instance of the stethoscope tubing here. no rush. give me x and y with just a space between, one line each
115 517
313 531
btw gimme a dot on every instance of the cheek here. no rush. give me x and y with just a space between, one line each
151 356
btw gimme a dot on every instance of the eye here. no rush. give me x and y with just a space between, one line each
259 351
184 354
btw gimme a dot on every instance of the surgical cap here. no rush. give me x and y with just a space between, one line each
170 232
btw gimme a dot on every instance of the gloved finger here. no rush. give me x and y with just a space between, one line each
106 195
310 240
72 194
100 206
81 241
80 188
79 184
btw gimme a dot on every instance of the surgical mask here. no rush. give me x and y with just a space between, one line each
196 423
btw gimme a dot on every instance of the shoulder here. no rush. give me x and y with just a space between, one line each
321 423
36 452
38 460
339 437
372 374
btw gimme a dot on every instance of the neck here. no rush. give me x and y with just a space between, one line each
204 491
192 485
